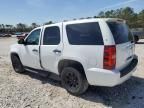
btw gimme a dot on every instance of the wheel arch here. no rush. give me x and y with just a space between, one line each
14 54
71 63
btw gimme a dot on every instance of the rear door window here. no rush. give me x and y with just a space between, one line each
51 36
84 34
121 32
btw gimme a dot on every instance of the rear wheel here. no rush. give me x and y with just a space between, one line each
73 81
136 38
17 65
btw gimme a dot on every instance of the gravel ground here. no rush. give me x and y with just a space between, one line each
33 91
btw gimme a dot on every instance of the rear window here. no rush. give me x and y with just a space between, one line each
84 34
121 32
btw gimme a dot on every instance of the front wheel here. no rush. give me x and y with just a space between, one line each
74 81
17 65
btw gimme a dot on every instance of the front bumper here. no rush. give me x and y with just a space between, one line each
110 78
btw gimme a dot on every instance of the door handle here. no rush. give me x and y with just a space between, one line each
35 50
56 51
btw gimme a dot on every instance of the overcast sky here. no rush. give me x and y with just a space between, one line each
40 11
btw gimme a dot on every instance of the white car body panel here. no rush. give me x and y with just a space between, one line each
124 51
49 59
30 58
15 48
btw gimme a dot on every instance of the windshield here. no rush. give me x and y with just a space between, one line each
121 32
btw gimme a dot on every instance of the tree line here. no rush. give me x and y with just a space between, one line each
134 20
20 27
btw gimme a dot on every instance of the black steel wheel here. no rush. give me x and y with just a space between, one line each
73 81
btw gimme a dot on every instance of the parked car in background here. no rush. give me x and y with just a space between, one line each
1 35
138 33
16 34
5 35
22 36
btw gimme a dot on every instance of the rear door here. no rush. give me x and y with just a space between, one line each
51 47
124 43
84 42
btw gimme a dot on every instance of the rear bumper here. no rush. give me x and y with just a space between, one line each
110 78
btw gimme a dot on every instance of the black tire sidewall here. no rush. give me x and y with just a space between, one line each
136 38
16 60
81 78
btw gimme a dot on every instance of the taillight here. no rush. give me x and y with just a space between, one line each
109 57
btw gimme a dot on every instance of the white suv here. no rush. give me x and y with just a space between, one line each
83 52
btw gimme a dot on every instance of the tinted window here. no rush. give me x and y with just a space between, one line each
84 34
33 38
51 36
120 32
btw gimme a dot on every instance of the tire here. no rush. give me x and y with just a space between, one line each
73 81
136 38
17 65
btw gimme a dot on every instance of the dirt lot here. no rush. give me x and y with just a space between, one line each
33 91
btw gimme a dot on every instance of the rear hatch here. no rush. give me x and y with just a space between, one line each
124 43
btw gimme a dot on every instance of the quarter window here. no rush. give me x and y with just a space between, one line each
84 34
51 36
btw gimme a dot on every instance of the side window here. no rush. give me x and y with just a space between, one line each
51 36
33 38
84 34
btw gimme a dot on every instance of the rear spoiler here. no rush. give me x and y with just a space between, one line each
116 20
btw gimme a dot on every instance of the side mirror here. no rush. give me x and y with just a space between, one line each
21 41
